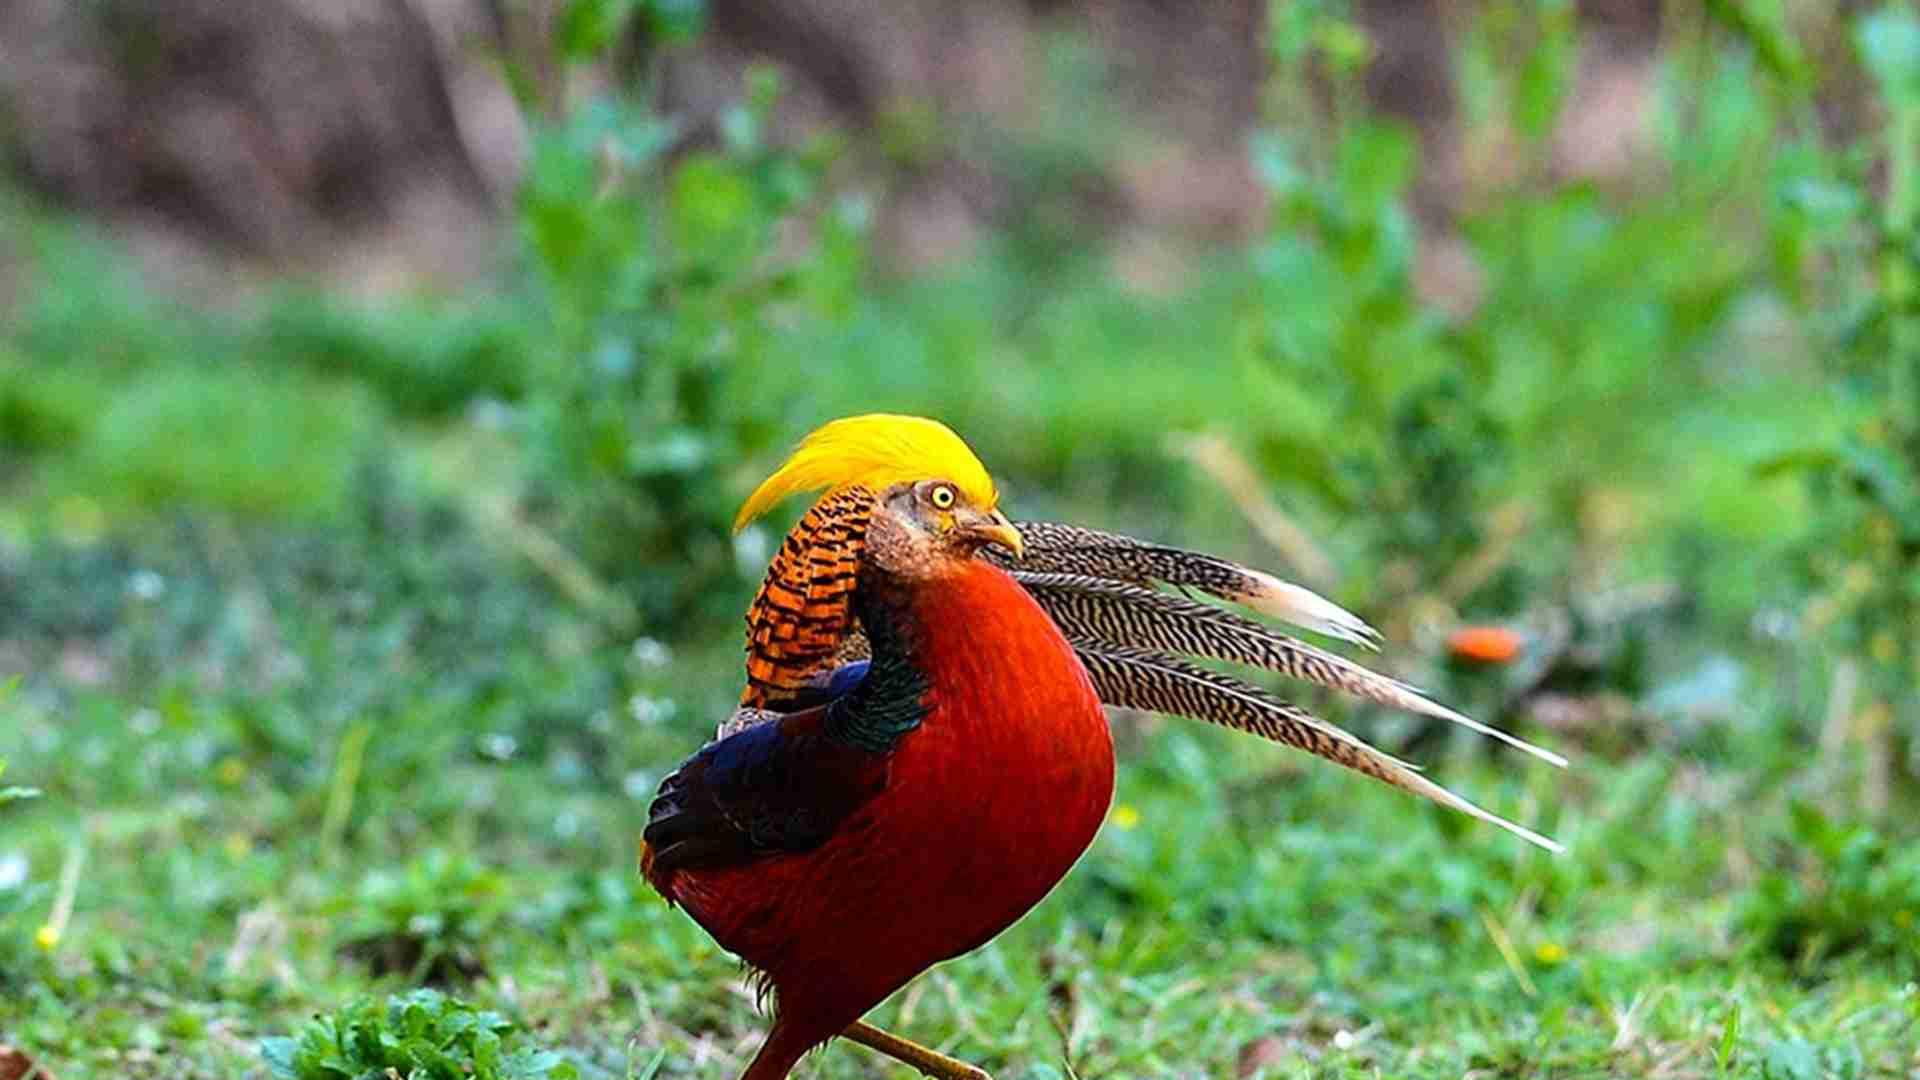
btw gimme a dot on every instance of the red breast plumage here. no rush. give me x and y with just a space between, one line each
987 805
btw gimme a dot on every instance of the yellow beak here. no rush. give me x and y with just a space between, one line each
995 529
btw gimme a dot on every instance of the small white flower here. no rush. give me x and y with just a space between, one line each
146 584
498 745
649 710
491 414
638 784
751 550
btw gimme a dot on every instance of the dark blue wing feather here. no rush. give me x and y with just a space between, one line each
782 785
827 686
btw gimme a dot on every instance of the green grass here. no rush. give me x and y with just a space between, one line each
332 762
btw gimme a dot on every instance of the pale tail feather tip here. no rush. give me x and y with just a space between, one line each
1447 798
1438 711
1304 607
1544 843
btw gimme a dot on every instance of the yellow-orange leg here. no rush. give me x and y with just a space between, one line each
930 1062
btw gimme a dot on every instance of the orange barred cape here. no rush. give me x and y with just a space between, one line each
803 614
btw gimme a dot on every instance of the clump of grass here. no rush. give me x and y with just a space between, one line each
1840 889
429 921
422 1035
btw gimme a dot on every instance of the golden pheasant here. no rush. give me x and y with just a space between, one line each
920 754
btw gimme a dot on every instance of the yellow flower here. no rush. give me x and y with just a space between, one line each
79 519
47 937
1125 817
1550 952
1822 611
230 771
1885 647
1857 578
1881 528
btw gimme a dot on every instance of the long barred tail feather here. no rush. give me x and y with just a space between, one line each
1071 549
1144 679
1100 588
1105 613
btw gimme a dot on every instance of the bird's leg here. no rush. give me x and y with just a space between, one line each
930 1062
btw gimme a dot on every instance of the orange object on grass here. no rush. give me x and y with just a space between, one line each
1484 644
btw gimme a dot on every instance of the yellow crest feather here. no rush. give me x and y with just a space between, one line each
877 450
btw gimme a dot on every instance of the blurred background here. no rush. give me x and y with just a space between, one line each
378 379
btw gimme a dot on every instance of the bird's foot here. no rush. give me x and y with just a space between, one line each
931 1063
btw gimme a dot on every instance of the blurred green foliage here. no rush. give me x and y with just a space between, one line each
661 286
1865 482
1597 330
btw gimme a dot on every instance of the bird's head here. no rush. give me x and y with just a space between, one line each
933 501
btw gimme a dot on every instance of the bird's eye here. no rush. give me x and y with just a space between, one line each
942 497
